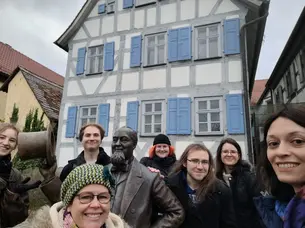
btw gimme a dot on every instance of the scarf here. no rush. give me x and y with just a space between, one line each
295 211
165 162
69 223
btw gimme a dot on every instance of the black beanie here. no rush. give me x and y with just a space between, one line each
161 139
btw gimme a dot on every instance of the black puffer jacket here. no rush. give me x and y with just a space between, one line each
102 159
163 164
243 187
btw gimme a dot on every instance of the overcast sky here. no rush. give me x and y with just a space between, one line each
31 27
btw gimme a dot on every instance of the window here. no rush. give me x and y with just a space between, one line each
302 58
152 116
279 98
288 83
110 6
88 114
208 41
209 116
155 49
95 59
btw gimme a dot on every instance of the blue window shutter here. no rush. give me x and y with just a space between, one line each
135 53
127 4
109 56
103 116
184 116
235 114
132 115
173 45
231 36
80 65
101 8
185 43
71 122
171 122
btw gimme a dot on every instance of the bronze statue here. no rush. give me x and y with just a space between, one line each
137 189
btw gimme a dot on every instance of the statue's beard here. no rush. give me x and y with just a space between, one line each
118 159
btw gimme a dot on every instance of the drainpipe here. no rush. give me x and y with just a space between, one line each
246 82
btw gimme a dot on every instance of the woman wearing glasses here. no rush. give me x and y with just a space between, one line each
85 195
206 200
237 174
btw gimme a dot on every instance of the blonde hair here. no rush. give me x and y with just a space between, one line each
5 126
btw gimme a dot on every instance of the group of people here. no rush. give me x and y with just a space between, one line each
160 191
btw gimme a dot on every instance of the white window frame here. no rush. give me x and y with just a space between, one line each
110 3
81 116
208 111
207 38
156 49
144 2
96 57
143 114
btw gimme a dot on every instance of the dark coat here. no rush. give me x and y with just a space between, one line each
215 211
13 207
102 159
163 164
243 187
134 199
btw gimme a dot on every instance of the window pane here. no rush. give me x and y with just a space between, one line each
213 30
161 54
85 111
100 64
213 47
215 126
202 105
151 56
157 118
151 41
148 119
93 112
147 129
148 107
83 122
92 120
161 39
157 128
92 51
215 116
203 117
202 48
100 50
203 127
214 104
158 107
91 65
202 32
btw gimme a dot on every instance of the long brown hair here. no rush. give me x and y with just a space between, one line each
219 163
208 182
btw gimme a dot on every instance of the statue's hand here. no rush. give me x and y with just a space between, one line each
47 171
153 170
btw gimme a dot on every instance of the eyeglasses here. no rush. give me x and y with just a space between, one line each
198 161
233 152
87 197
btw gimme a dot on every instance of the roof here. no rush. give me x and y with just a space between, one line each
258 89
48 94
291 49
10 59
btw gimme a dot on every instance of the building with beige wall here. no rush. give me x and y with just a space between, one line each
30 92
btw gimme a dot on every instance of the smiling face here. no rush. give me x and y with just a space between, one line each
229 154
93 214
8 141
286 151
197 165
162 150
91 139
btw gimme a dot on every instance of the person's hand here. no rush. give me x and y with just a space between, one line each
153 170
23 186
5 169
47 171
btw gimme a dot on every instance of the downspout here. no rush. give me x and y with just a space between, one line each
243 53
